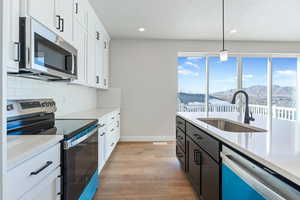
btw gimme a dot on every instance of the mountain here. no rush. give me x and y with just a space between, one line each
282 96
188 98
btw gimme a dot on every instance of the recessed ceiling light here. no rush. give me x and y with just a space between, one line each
141 29
233 31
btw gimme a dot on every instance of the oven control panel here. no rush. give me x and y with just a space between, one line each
30 106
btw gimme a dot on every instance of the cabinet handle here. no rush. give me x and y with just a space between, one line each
58 27
105 82
179 155
103 134
112 130
101 125
97 79
97 35
48 163
18 47
62 21
112 144
197 157
76 8
198 137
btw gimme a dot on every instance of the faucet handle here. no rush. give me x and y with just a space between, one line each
251 116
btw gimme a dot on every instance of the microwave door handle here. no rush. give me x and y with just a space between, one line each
70 144
250 179
73 64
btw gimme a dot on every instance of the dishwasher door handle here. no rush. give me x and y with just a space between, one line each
251 179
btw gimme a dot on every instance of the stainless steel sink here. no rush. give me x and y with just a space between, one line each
230 126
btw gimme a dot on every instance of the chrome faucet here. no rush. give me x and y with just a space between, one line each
248 117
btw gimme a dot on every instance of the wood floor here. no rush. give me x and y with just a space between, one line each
143 171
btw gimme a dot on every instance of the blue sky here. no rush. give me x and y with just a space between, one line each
191 73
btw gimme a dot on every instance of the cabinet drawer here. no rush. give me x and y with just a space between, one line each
180 138
180 156
180 123
31 172
205 141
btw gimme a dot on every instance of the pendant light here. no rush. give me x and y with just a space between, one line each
223 52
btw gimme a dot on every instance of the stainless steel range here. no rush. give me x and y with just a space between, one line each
79 147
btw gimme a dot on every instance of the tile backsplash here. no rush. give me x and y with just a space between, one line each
69 98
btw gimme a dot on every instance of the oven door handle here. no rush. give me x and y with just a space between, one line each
72 143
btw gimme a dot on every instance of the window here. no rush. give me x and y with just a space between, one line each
252 74
255 79
284 82
222 81
191 83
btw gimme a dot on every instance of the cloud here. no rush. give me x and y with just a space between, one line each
194 58
285 72
192 64
186 72
248 76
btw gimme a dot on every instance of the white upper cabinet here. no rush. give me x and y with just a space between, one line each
77 23
80 41
106 62
64 15
91 70
43 11
11 34
80 12
99 55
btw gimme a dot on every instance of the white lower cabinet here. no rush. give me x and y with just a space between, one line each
48 189
38 176
109 136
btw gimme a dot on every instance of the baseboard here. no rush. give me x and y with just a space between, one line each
147 138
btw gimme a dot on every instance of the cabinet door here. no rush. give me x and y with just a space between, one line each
11 34
43 11
99 60
210 174
65 10
91 66
101 149
80 39
80 12
194 164
48 189
106 63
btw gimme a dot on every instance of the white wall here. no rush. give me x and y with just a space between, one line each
146 70
69 98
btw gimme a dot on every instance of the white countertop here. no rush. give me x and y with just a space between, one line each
277 149
23 147
91 114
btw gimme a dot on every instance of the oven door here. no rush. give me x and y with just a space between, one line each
80 162
44 52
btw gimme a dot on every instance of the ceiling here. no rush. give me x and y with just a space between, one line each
258 20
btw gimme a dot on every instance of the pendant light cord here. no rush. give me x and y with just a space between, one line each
223 23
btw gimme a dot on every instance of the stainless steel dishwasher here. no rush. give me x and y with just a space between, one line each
244 180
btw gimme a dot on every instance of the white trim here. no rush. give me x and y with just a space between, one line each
206 85
237 54
147 138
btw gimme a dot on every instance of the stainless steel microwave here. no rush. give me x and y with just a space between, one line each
43 54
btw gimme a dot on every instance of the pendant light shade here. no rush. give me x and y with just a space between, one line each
223 55
223 52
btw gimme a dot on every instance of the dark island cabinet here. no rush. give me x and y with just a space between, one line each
199 159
